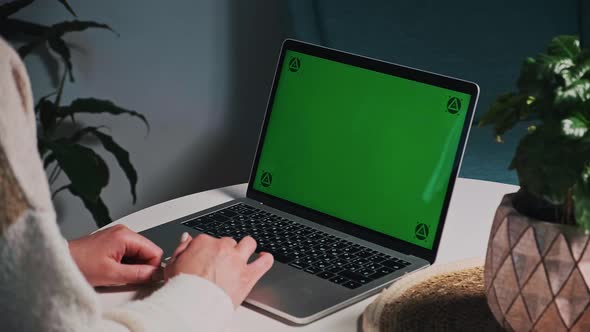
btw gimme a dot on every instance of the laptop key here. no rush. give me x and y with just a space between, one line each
339 245
392 264
377 275
362 262
339 262
346 256
199 227
355 277
325 275
376 259
366 272
227 213
364 254
353 267
338 280
298 264
307 260
336 269
326 258
218 217
206 220
351 249
322 265
404 262
312 269
282 258
372 266
351 284
191 223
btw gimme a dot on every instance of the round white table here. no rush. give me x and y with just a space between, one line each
465 235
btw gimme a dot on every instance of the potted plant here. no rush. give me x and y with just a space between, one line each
537 269
60 134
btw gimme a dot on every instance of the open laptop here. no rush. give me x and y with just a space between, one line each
351 180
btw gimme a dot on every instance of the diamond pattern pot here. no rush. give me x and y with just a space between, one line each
537 274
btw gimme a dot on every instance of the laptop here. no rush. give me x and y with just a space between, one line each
351 180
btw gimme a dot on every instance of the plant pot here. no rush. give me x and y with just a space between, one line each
537 274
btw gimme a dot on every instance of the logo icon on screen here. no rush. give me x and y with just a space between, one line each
266 179
421 231
453 105
294 64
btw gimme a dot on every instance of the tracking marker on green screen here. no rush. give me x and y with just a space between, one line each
454 105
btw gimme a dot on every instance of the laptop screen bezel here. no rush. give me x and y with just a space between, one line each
344 226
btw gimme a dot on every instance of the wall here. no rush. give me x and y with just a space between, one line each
481 41
199 70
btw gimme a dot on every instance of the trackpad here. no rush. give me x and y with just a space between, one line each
296 293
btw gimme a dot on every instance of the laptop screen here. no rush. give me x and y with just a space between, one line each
370 148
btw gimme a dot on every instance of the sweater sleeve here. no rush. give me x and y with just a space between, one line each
190 303
41 288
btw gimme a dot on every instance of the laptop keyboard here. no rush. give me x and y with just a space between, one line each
302 247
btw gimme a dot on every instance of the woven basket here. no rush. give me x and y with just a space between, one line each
448 297
537 273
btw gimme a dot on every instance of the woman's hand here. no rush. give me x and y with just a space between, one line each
221 261
101 257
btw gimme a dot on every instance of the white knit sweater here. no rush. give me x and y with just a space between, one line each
41 288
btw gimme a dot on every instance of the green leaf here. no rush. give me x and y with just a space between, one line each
58 30
97 106
505 112
574 127
566 46
13 7
47 111
59 46
530 81
68 7
579 69
120 154
86 170
38 105
573 94
554 64
548 164
76 26
12 28
99 211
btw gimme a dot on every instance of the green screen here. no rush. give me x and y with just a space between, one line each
370 148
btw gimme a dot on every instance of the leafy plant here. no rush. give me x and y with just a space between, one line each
87 172
552 160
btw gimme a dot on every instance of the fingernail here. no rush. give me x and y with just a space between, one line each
165 262
158 275
184 237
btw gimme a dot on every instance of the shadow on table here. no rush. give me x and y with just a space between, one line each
141 291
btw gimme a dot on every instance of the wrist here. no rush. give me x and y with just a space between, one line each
73 247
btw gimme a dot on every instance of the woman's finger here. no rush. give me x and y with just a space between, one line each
259 267
140 248
246 247
185 240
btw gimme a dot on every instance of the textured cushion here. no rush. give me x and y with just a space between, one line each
447 297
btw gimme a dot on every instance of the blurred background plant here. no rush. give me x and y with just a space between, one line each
553 159
62 140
